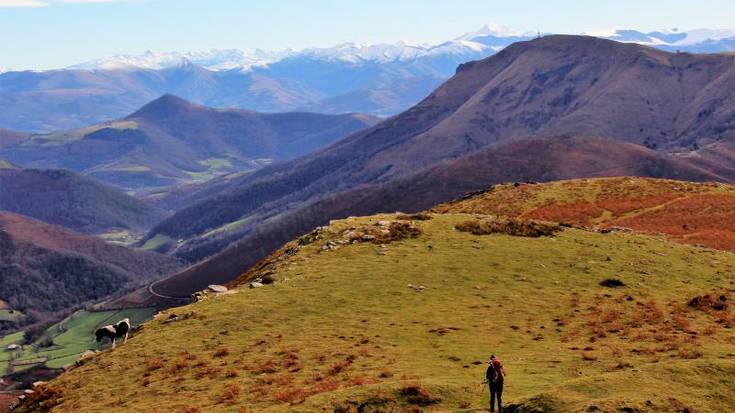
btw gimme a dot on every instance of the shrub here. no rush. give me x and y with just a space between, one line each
385 374
421 216
292 396
710 302
612 283
689 353
398 231
360 380
325 385
338 367
155 364
179 365
223 352
230 393
416 394
266 367
509 226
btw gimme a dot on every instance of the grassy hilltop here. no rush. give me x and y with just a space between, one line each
401 314
343 325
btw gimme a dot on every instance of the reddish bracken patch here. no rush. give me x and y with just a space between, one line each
708 219
692 213
578 213
622 204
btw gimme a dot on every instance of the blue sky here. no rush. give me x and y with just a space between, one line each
40 34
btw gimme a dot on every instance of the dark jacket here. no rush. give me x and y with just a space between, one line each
490 373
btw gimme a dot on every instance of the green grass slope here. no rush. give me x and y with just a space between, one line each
356 323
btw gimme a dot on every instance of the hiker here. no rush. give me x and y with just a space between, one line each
495 375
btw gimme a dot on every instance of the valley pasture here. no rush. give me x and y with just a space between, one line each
64 342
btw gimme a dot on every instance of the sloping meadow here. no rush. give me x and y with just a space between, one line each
356 322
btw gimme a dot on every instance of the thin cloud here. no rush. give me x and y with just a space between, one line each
46 3
88 1
23 3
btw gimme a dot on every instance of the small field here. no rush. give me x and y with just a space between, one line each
10 315
120 237
68 339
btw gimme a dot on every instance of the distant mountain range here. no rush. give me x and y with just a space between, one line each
382 79
171 141
552 108
488 39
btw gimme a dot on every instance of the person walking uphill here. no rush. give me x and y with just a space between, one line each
495 375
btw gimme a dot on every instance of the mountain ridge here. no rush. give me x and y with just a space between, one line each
170 141
64 198
489 106
491 36
381 80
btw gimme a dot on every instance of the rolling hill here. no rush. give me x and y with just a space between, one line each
553 159
171 141
558 107
399 313
73 201
47 270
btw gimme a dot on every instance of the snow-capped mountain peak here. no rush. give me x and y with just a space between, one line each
494 30
477 44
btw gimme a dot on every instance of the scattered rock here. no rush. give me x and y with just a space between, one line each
267 279
329 246
311 237
255 284
218 288
88 355
620 229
